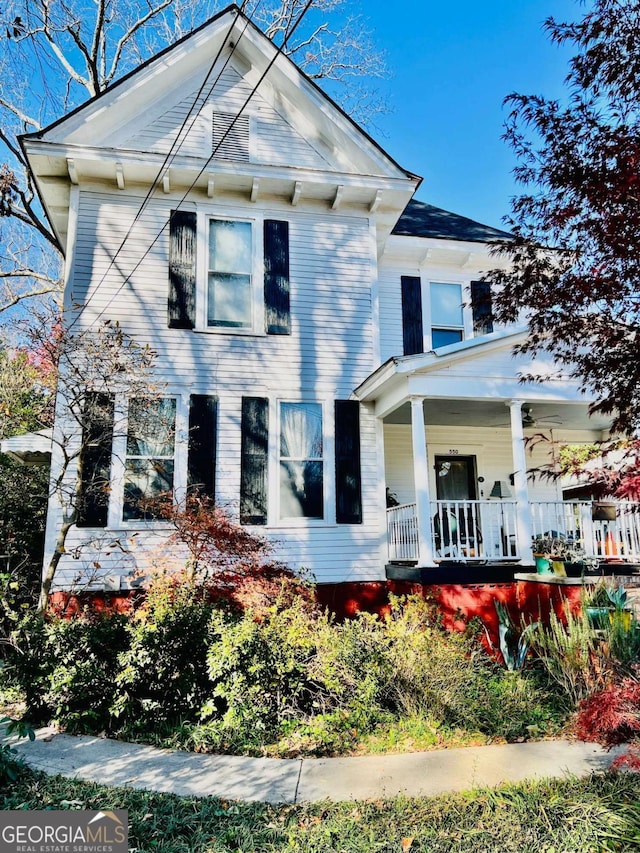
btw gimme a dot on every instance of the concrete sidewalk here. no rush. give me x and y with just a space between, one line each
272 780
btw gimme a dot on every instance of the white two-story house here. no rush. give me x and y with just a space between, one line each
328 337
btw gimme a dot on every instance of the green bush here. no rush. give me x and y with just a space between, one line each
66 668
162 674
286 679
312 686
260 673
448 678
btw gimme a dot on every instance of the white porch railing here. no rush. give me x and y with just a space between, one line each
606 530
486 530
460 530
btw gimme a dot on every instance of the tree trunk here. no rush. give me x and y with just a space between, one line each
47 580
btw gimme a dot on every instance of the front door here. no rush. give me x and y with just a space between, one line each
456 478
457 529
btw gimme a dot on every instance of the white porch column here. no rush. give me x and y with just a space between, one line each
421 478
524 522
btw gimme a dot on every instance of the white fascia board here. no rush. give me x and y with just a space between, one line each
122 103
493 388
294 95
117 104
471 348
399 245
435 360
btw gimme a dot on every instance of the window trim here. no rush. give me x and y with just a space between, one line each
427 277
204 217
115 520
274 518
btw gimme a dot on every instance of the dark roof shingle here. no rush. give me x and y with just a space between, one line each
424 220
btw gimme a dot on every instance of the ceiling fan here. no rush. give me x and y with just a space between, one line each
528 419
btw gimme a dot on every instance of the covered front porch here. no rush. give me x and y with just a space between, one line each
585 532
471 461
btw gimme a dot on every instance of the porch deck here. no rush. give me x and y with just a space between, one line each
486 531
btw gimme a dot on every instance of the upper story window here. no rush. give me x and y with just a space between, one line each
447 320
439 313
230 274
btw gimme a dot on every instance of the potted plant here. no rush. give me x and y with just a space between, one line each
550 553
608 605
597 606
542 554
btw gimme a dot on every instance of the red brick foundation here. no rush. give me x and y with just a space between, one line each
458 603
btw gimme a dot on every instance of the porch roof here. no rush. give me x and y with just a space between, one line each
482 374
32 448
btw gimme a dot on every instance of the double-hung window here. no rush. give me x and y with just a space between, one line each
150 452
447 319
230 302
301 461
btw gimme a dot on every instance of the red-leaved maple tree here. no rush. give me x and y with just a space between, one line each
575 251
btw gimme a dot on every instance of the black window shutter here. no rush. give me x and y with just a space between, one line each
348 477
253 460
203 417
95 460
481 307
276 277
182 270
412 332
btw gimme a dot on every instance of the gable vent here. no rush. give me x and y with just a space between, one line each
230 142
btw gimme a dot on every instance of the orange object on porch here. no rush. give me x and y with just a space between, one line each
610 545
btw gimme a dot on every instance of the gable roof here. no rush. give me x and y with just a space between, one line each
99 141
425 220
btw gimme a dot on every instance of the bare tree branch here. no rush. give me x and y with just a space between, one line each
128 35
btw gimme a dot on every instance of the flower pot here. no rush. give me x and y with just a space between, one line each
543 565
620 619
598 617
558 568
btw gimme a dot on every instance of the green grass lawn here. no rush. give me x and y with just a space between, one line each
598 814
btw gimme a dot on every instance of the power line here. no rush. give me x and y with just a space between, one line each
277 54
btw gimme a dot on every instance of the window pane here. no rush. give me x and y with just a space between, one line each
301 494
151 430
145 480
446 304
229 300
301 430
301 467
229 246
444 337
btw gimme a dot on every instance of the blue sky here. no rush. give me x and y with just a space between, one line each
451 65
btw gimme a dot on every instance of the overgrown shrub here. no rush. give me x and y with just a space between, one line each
66 667
582 660
296 677
573 656
162 674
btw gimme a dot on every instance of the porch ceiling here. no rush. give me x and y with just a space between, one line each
495 414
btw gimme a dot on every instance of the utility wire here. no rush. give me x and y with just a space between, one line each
279 51
175 147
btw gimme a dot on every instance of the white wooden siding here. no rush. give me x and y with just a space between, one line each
274 140
329 352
